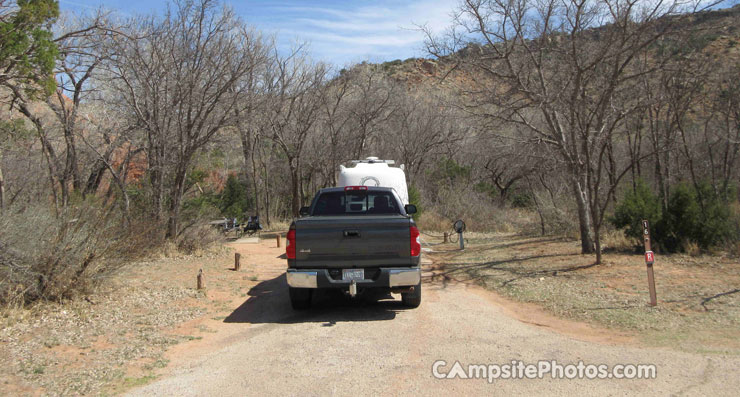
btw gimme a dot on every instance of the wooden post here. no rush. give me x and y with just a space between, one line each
278 240
201 281
237 261
462 240
649 260
446 238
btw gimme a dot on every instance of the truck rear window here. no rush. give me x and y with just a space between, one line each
356 203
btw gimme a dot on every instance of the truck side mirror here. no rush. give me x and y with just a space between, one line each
410 209
304 211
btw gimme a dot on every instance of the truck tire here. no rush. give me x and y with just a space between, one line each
300 298
412 299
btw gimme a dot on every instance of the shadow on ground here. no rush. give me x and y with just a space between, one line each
268 302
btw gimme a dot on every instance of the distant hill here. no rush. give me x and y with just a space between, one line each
716 34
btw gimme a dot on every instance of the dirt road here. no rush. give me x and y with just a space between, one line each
348 347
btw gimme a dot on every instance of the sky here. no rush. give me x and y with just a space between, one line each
338 32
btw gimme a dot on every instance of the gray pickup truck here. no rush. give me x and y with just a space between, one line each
355 239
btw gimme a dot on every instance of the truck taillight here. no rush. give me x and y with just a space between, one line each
415 243
351 188
290 246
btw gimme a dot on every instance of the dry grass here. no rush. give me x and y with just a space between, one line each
697 309
278 226
432 221
614 240
691 248
116 337
198 237
54 257
735 250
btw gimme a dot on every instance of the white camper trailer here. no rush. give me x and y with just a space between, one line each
374 172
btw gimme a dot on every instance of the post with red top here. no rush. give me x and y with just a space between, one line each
649 260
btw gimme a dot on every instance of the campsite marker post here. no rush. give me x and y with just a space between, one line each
649 260
200 280
237 261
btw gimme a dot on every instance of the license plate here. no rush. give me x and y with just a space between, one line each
353 274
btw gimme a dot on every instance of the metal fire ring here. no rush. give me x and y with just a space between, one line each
459 226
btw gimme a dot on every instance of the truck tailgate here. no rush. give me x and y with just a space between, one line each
352 241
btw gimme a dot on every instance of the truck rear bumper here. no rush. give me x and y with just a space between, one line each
387 277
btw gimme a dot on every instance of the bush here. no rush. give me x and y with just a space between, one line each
681 222
203 206
415 199
694 217
44 256
447 172
197 237
637 204
522 200
234 200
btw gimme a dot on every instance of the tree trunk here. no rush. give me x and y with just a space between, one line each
96 176
156 180
178 191
295 184
71 168
2 186
537 206
267 196
254 183
585 223
333 163
246 151
597 243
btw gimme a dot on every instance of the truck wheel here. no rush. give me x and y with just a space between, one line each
300 298
412 299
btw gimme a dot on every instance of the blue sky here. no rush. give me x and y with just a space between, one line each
339 32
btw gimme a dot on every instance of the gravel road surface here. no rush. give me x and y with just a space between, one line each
350 347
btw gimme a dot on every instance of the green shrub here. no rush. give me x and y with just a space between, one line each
702 216
681 221
693 216
486 188
717 223
415 199
234 199
522 199
637 204
206 205
449 171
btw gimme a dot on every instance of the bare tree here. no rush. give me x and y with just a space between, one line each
420 130
295 103
371 105
181 81
336 121
79 45
252 103
564 72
